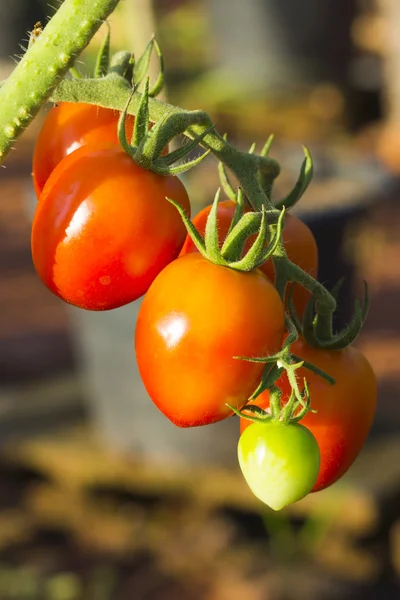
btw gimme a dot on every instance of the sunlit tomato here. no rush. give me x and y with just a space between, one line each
279 461
298 239
345 410
195 318
103 228
69 126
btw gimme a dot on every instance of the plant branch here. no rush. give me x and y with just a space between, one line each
45 62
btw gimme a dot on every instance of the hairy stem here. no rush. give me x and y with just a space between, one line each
46 62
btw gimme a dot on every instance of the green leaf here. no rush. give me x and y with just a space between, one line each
188 147
267 145
191 229
306 174
182 168
121 125
225 183
103 56
276 240
142 64
142 118
249 224
120 64
211 232
159 84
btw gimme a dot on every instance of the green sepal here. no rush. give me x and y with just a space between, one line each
179 153
183 167
103 56
310 367
294 415
349 334
168 127
252 148
259 415
336 288
276 239
239 209
141 67
275 399
248 224
270 376
120 64
302 183
159 84
267 146
266 182
74 72
251 259
191 229
211 238
141 127
225 183
121 128
260 359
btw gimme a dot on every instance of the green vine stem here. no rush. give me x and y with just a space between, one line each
46 62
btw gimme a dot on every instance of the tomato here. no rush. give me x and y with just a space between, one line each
195 318
298 239
103 228
69 126
279 461
345 410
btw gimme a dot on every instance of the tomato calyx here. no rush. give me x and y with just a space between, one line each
123 64
299 403
266 179
243 226
147 145
316 326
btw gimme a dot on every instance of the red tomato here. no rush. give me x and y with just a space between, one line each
195 318
345 410
298 239
69 126
103 228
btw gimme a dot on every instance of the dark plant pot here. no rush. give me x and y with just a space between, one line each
335 262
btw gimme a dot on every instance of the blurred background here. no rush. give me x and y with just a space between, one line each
100 497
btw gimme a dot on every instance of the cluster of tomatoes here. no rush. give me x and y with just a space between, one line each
104 234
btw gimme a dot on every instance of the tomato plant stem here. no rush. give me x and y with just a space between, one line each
46 62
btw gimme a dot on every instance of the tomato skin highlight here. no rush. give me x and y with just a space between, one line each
103 228
68 126
345 411
279 461
195 318
297 237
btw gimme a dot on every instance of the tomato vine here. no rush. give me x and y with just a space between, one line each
120 83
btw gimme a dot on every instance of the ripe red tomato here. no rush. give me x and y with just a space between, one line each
195 318
279 461
345 410
298 239
69 126
103 228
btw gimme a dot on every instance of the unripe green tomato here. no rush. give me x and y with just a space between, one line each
279 461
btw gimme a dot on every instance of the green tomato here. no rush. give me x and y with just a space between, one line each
280 461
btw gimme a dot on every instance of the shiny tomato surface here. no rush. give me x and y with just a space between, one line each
103 228
194 320
68 126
